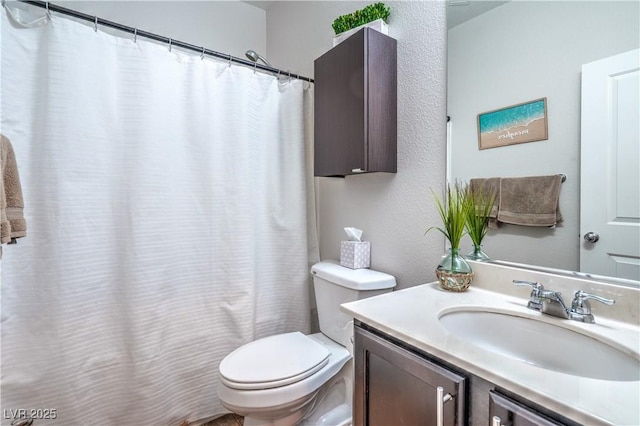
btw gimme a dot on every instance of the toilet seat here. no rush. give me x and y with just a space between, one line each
273 362
267 402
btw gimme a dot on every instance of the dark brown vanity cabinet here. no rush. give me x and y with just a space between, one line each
504 411
396 386
355 110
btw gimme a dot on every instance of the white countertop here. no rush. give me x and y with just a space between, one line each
412 315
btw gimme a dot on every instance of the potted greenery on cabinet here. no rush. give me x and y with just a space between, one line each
453 272
374 15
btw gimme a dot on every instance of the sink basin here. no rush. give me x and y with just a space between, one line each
542 344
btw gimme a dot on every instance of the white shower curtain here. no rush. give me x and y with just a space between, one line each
166 202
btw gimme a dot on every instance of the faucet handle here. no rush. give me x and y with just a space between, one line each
581 308
535 302
534 285
581 298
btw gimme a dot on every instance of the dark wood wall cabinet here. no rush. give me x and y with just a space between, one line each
355 110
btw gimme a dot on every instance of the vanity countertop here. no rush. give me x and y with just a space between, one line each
412 316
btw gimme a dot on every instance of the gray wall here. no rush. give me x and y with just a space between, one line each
393 209
517 52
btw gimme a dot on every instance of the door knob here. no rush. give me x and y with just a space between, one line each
591 237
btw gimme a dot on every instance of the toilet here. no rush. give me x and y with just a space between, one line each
296 379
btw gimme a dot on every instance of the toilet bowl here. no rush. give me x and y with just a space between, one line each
292 378
284 397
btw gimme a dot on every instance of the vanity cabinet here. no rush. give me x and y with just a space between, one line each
504 411
355 106
397 386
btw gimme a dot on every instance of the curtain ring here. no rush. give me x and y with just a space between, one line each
202 54
230 60
289 71
255 65
46 7
95 23
135 35
170 41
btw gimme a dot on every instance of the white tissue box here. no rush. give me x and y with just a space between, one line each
355 254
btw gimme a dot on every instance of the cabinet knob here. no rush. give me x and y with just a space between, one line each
441 399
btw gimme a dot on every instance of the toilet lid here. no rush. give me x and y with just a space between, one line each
273 361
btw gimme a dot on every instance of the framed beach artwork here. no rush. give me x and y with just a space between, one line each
525 122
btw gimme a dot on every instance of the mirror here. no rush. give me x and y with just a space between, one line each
502 53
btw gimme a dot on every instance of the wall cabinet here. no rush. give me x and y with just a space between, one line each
394 386
355 106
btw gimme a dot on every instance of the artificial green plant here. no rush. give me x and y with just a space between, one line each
454 211
360 17
480 205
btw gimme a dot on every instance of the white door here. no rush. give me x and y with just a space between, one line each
610 162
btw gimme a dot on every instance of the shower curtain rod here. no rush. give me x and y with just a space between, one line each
171 42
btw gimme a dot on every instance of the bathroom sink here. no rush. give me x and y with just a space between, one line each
542 344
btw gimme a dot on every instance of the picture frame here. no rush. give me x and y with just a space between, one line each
515 124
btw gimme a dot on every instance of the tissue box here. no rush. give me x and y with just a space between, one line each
355 254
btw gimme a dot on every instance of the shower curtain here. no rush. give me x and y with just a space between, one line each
166 198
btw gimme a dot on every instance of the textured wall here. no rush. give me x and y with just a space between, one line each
393 209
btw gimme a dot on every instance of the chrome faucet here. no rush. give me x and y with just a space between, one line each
551 302
581 308
545 301
535 302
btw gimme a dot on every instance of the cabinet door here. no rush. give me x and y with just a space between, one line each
394 386
355 98
504 411
339 95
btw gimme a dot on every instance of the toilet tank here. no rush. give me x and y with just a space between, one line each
335 285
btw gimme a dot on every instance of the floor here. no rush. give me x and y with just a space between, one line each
226 420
